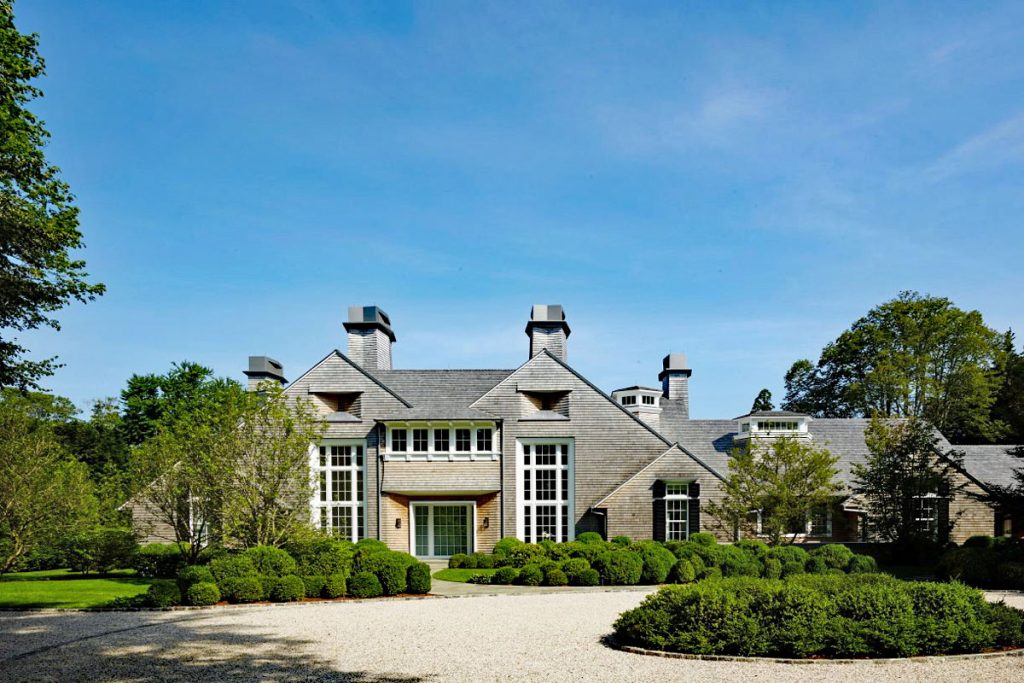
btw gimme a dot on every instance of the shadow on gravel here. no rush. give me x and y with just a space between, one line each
182 649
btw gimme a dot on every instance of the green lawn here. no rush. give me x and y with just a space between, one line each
461 575
62 588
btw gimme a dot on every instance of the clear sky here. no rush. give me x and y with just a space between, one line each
739 182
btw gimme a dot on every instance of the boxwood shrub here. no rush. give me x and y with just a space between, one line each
193 574
417 578
657 561
861 615
241 589
458 561
390 568
530 575
271 561
322 556
158 560
505 545
683 572
336 586
314 585
365 585
619 568
590 537
987 563
483 560
555 577
232 567
203 593
588 577
163 593
505 575
289 588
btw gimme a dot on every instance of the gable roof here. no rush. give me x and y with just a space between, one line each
440 394
991 464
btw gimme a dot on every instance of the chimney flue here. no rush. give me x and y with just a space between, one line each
547 329
369 337
675 380
264 369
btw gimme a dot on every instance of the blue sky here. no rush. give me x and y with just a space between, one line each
736 182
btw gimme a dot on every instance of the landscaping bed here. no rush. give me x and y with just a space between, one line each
824 616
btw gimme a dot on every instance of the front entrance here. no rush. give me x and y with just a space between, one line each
443 528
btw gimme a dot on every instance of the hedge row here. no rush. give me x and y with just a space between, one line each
623 562
323 567
820 616
985 562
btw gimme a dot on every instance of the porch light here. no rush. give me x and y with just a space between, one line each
398 522
487 522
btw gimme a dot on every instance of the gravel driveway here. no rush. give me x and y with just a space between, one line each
553 637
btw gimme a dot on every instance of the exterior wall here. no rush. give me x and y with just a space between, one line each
551 338
370 349
630 509
676 386
609 444
440 477
147 523
396 507
970 517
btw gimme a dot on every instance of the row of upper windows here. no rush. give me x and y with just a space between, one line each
630 400
772 426
423 441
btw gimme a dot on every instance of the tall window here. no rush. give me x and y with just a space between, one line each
677 509
820 521
545 507
926 515
338 504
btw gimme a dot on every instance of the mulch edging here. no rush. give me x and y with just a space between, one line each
611 642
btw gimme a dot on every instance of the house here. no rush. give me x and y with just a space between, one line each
438 462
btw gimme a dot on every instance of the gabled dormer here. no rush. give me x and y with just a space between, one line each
772 424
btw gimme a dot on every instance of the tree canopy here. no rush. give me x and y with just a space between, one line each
762 402
913 356
38 219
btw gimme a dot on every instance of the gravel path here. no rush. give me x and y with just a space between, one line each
553 637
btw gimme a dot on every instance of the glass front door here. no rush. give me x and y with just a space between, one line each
443 529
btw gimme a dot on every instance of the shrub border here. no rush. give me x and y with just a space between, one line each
612 642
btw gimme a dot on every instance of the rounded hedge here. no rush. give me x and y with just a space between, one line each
505 575
683 572
271 561
163 593
390 568
194 574
158 560
556 577
232 567
588 577
336 586
862 564
657 561
622 540
365 585
314 585
484 561
204 593
458 561
289 588
835 555
241 589
864 615
620 568
505 545
590 537
418 578
530 575
704 538
772 568
573 566
320 556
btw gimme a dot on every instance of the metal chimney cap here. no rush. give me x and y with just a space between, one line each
547 316
369 318
675 364
265 367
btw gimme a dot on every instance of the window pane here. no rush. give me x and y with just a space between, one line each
419 440
462 440
483 440
441 441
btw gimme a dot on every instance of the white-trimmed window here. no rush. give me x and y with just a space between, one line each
647 400
338 504
677 511
629 400
544 469
926 514
819 521
440 441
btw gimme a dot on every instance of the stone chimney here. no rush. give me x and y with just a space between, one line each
675 380
547 329
369 337
264 369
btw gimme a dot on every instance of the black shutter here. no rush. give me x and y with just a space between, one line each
659 510
943 514
693 513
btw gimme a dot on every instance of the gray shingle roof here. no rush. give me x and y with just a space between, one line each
440 394
991 464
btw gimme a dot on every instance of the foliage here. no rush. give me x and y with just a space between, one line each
590 537
683 572
336 586
232 567
458 561
827 616
205 593
44 494
193 574
913 356
163 593
622 540
241 589
834 555
271 561
619 568
1009 404
588 577
785 480
996 563
763 402
703 538
160 560
530 575
365 585
904 463
288 588
390 568
657 561
321 555
100 550
555 577
505 545
505 575
418 578
38 219
483 560
314 585
772 568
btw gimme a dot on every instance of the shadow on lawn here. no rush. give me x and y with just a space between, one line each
141 646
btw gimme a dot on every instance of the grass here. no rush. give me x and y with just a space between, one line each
461 575
65 589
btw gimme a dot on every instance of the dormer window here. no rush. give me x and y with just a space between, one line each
628 400
773 424
648 400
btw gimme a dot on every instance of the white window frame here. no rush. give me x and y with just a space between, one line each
562 498
809 530
434 455
677 497
316 505
471 530
933 521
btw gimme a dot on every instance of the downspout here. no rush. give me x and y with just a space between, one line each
501 480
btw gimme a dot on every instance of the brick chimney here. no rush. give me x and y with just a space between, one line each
675 380
264 369
369 337
547 329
